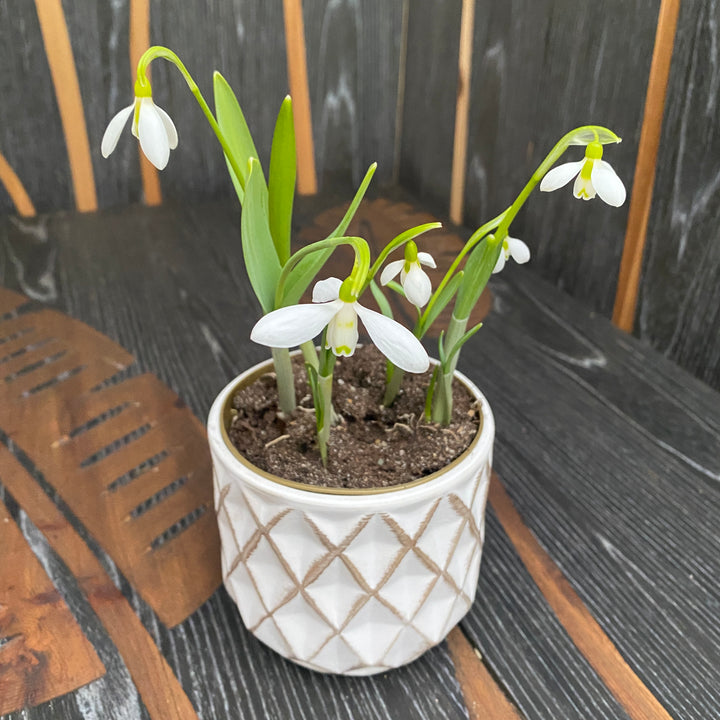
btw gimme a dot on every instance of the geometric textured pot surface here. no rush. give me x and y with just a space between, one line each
345 583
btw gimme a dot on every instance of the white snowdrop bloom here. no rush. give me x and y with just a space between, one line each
593 176
334 307
512 248
414 280
151 125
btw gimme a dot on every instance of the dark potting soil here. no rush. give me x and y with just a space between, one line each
370 446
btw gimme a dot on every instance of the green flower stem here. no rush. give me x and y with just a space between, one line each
285 380
142 89
422 326
442 400
393 385
310 353
359 271
326 411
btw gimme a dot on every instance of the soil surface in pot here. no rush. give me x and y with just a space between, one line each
371 445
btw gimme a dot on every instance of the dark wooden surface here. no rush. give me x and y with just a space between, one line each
610 453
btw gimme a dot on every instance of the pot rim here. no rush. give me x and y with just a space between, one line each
219 420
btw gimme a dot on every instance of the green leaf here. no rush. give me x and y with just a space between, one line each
237 134
307 269
381 300
445 296
261 261
281 183
478 268
441 349
313 381
458 345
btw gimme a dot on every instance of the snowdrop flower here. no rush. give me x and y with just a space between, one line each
594 176
336 307
512 248
414 280
151 125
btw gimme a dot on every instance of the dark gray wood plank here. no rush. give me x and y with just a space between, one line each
627 512
679 305
539 70
31 135
430 93
353 55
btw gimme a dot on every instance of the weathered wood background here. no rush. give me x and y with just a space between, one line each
539 68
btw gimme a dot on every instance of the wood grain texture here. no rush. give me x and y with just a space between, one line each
130 460
585 632
300 92
539 70
245 41
353 55
679 306
484 699
67 92
645 166
31 135
43 652
180 329
15 189
430 95
158 687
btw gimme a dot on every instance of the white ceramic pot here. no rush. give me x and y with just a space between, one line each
342 581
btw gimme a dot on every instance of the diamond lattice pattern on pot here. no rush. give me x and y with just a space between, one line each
336 594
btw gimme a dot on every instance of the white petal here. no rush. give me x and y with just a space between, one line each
326 290
342 333
519 251
290 326
500 264
583 188
417 286
114 128
426 259
169 127
394 341
153 137
560 176
609 186
390 271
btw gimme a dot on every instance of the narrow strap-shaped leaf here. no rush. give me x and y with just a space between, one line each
456 347
261 261
237 134
445 296
381 300
281 182
306 270
478 269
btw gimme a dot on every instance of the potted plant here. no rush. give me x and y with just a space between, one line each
351 551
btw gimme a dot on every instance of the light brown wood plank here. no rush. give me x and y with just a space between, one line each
15 189
43 651
645 165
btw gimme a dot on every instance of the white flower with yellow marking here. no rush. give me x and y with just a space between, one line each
151 125
414 280
335 307
512 248
593 176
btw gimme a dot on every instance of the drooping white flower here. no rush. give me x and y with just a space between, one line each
414 280
151 125
333 308
592 176
512 248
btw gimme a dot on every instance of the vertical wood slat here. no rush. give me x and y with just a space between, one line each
641 198
299 90
400 104
67 91
139 42
462 109
16 191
